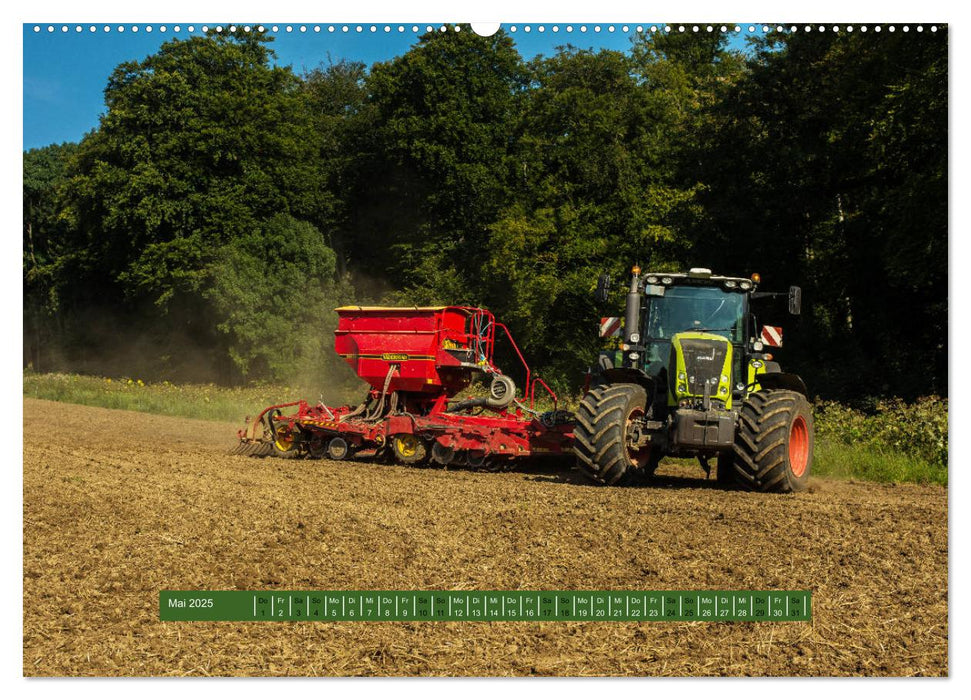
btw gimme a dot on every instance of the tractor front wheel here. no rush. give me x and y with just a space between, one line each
774 442
605 435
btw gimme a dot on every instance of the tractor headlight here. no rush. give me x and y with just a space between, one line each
730 284
724 379
666 280
682 388
745 284
652 279
682 376
633 356
723 390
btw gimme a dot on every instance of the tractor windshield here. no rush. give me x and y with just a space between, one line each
708 309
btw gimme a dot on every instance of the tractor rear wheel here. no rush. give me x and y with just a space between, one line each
774 442
604 435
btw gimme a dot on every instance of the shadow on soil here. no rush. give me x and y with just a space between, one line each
556 470
564 472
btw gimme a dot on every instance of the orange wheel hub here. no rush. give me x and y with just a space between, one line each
798 446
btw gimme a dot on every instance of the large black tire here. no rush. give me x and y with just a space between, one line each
774 442
600 433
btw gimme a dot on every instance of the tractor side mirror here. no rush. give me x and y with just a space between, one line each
795 301
603 288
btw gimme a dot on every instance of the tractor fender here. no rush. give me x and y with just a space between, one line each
628 375
783 380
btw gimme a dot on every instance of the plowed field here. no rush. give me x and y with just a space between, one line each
119 505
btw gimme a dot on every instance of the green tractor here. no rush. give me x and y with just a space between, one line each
692 377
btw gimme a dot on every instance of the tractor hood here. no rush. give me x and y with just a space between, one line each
700 364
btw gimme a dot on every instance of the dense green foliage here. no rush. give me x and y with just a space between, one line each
828 166
225 205
869 463
45 172
917 430
429 167
274 289
202 143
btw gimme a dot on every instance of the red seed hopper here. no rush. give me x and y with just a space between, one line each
416 361
426 351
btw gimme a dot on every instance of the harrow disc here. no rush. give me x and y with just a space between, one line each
317 447
442 455
262 449
478 461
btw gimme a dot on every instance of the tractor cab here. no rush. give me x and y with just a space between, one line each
697 314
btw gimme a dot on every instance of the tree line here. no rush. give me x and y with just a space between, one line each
225 205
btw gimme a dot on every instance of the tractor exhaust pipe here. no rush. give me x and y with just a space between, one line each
633 312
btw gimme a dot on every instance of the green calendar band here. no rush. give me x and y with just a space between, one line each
485 606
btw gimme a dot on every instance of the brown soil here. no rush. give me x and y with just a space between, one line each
119 505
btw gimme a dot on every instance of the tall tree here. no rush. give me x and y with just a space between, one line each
827 167
687 77
429 171
44 237
336 93
201 142
595 191
276 309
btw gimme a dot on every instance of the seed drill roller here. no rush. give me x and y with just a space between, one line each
417 360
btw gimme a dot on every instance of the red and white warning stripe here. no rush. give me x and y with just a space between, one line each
610 326
772 336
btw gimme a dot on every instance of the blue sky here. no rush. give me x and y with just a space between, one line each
65 73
